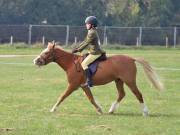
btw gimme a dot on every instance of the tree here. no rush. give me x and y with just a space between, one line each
109 12
12 12
155 13
159 14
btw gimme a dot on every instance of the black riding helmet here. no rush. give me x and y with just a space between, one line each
91 20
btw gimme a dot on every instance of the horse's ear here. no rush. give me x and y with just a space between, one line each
49 43
53 44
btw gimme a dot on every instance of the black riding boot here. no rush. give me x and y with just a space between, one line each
89 80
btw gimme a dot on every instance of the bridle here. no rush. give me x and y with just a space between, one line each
52 57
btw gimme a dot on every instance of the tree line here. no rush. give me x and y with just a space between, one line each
109 12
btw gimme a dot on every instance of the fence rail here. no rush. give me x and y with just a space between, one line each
67 35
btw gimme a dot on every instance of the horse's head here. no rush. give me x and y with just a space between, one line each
46 56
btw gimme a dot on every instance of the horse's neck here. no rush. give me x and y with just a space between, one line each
64 59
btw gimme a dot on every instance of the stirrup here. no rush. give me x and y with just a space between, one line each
89 83
84 85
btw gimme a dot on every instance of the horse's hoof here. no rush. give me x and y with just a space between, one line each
52 110
110 112
145 114
145 111
99 112
113 107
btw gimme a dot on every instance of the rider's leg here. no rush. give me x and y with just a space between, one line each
88 60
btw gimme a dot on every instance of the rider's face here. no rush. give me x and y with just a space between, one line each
88 26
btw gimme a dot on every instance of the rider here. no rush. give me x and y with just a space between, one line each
91 41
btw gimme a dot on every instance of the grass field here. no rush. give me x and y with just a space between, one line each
27 93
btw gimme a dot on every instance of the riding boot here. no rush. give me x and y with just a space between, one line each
88 80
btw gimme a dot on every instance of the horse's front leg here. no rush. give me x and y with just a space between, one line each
61 98
91 99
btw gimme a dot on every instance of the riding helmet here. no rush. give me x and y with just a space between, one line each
91 20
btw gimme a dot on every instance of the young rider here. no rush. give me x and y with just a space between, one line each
91 41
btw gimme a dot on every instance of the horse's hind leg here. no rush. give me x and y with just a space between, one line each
121 94
133 87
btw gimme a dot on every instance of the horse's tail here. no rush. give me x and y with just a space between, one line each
151 74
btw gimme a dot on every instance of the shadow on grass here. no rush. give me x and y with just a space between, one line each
122 114
125 114
153 115
165 115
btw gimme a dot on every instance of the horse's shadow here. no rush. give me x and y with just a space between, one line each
153 115
122 114
165 115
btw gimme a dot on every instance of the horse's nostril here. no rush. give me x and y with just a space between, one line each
39 61
36 61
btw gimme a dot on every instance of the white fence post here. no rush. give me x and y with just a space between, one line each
11 40
140 36
30 34
167 42
43 40
67 35
175 36
137 41
75 40
105 36
106 40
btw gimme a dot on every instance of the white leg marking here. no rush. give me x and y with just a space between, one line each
144 109
53 108
114 106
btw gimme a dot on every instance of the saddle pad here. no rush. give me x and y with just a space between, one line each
93 67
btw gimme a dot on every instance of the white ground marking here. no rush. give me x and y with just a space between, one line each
12 56
18 63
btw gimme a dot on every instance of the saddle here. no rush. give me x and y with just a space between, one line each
93 66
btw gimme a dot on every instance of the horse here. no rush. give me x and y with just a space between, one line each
118 68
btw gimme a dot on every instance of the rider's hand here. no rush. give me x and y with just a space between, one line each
74 50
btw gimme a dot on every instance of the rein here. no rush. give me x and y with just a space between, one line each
77 64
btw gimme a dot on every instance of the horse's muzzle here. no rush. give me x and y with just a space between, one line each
39 61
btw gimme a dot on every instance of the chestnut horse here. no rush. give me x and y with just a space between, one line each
118 68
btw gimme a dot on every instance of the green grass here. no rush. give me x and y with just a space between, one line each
27 93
